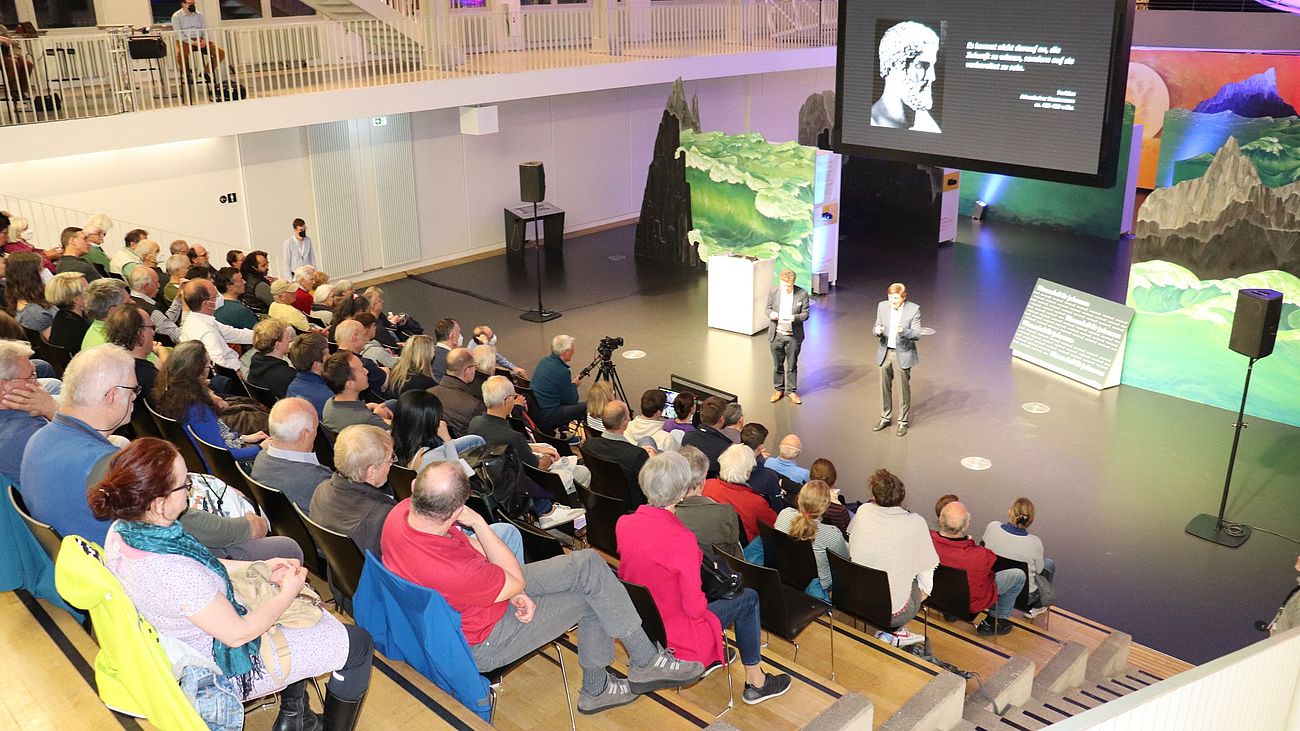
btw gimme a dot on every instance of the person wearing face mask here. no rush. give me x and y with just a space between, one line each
485 335
297 249
191 35
898 325
447 332
201 301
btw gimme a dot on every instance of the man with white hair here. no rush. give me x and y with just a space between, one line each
353 501
25 407
200 300
288 463
304 277
992 592
144 290
555 387
729 487
126 258
101 298
99 390
908 54
94 232
784 463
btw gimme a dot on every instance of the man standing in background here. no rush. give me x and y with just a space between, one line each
898 325
297 249
787 308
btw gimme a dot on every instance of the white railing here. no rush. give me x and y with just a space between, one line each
107 73
1254 688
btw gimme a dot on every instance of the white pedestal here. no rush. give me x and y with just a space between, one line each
738 290
826 216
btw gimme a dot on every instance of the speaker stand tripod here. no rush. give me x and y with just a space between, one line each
1217 530
541 314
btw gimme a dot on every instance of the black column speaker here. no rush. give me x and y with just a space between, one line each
1254 325
532 182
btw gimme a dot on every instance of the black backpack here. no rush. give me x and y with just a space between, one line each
498 473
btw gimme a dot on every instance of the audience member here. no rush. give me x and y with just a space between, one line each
129 328
289 463
148 251
182 394
373 302
346 378
25 293
762 480
282 309
94 229
269 367
836 514
102 296
234 258
733 420
713 523
75 249
1014 541
179 247
16 236
177 267
372 349
684 408
184 591
481 579
67 291
943 501
784 463
355 500
886 536
303 277
657 551
804 524
650 424
728 487
599 394
485 335
198 256
25 407
144 288
613 446
125 259
708 437
200 300
230 283
412 371
447 332
555 388
307 355
352 336
420 436
994 593
257 288
485 366
454 391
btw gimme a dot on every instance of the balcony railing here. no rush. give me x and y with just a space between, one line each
119 71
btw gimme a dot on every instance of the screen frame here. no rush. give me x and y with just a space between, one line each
682 383
1112 118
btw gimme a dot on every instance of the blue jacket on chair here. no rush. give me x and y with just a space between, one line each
415 624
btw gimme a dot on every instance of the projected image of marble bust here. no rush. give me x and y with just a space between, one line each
908 52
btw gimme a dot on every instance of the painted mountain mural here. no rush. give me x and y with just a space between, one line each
1253 97
1276 154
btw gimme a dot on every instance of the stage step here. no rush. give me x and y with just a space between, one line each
937 706
1010 685
1066 669
1111 656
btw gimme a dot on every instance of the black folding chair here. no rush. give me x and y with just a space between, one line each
399 481
342 557
263 395
173 432
45 535
219 461
951 596
792 558
860 591
607 478
285 521
236 381
324 445
603 513
1022 599
552 484
538 544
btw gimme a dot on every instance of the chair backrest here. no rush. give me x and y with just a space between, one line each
534 410
607 478
538 544
343 557
603 513
236 381
561 445
254 489
651 621
57 357
44 534
399 481
518 425
285 522
552 484
1003 563
766 583
219 461
173 432
263 395
792 558
479 504
143 423
951 592
860 591
324 445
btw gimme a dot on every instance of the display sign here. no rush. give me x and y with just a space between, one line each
1078 335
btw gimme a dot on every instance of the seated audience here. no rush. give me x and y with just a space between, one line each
179 247
282 309
355 501
941 502
144 288
182 394
269 366
598 395
733 420
373 302
555 388
660 553
650 424
784 464
804 524
232 312
485 335
994 593
1014 541
346 378
94 229
307 355
459 407
257 288
836 514
684 408
101 297
713 523
184 591
289 463
67 292
177 267
25 407
728 487
420 436
304 278
447 334
613 446
373 349
126 258
200 299
148 251
763 481
198 256
15 235
886 536
129 328
25 293
708 437
234 258
412 372
75 248
352 336
508 610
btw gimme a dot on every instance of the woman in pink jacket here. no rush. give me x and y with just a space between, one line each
657 551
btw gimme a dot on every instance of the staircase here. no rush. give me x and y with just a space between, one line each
391 27
798 21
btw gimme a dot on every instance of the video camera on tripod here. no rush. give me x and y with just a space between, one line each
605 360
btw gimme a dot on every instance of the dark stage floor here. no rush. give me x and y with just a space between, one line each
1115 475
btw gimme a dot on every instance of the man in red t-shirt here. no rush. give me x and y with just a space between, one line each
734 468
988 591
424 542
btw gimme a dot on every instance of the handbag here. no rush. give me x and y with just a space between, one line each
253 588
718 580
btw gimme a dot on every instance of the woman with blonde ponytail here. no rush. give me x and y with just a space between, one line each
805 524
1013 540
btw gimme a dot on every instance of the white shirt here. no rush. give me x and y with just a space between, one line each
785 313
895 315
188 26
644 426
297 253
292 456
123 257
215 337
897 542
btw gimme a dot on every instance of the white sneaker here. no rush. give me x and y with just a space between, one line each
560 515
1036 611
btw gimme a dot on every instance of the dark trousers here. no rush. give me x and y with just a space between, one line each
559 417
785 363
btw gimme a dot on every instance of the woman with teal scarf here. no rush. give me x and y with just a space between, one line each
185 592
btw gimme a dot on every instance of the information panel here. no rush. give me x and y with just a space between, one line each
1078 335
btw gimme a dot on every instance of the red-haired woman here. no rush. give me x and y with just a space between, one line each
186 594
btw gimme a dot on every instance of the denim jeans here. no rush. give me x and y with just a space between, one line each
753 553
741 613
1010 582
509 535
1045 596
817 591
215 698
469 441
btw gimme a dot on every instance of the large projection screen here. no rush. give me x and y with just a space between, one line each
1031 88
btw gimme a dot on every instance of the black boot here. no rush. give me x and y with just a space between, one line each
341 715
295 713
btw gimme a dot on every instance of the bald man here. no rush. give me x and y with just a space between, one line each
784 463
459 404
288 463
992 593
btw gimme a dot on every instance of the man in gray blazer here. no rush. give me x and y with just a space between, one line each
898 325
787 308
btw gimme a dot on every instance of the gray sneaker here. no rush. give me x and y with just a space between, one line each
773 686
665 671
616 693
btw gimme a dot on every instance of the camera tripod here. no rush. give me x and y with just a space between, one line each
606 372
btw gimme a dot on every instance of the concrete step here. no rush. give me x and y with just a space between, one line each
937 706
1111 656
852 710
1109 688
1069 702
981 717
1019 718
1066 669
964 725
1010 685
1047 711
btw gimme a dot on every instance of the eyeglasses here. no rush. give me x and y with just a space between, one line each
29 379
135 390
189 482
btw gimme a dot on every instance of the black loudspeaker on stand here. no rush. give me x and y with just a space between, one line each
1254 330
532 189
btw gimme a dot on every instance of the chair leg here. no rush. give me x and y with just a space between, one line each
319 695
831 617
492 712
731 689
568 699
796 650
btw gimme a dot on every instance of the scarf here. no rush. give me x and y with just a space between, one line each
240 663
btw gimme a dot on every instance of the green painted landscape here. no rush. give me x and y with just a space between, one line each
751 197
1189 141
1178 342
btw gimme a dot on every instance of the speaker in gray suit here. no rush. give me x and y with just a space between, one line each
898 325
787 308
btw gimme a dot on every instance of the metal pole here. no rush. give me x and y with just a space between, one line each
1236 438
